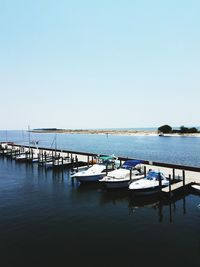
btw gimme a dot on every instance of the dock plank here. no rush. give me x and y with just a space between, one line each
176 186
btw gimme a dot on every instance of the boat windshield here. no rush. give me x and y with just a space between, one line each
154 176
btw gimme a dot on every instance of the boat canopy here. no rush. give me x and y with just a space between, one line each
129 164
106 159
153 175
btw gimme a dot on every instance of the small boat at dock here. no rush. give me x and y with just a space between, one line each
149 184
97 171
122 177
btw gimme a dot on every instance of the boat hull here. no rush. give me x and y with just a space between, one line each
146 191
116 184
90 178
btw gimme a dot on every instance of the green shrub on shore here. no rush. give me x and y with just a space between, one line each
183 130
165 129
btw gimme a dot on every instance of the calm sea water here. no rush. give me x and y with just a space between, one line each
178 150
48 219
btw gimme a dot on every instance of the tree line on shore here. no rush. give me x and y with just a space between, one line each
182 130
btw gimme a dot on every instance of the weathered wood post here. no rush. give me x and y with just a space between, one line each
88 159
130 174
145 170
72 165
120 163
173 174
170 188
76 159
183 179
160 181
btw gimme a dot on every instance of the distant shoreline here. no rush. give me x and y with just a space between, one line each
114 132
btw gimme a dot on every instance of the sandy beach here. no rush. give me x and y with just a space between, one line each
114 132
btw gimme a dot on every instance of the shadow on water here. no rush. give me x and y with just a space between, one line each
156 202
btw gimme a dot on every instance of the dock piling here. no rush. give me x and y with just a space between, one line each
130 174
173 174
160 181
183 178
170 188
145 170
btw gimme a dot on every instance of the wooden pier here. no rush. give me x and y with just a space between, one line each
180 177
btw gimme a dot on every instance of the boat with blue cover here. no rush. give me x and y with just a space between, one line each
131 170
149 184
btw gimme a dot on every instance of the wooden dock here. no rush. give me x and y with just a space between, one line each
175 187
180 177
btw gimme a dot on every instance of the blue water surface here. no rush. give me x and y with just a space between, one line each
177 150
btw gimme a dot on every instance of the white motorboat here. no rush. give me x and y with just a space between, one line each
121 178
22 157
97 171
27 157
149 184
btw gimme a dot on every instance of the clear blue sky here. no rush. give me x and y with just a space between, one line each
97 64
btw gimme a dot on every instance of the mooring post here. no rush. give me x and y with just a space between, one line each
145 170
173 174
72 161
184 179
130 174
170 188
160 183
88 160
76 160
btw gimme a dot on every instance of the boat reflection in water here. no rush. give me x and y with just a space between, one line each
165 207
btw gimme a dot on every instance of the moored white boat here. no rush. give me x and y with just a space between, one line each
122 177
97 171
149 184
